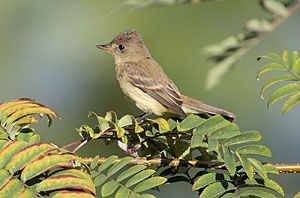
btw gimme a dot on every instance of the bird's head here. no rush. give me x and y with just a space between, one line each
127 46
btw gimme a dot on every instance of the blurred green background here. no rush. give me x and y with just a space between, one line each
47 52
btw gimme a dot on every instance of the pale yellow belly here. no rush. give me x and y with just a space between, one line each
142 100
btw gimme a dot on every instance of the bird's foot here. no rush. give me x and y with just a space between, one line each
140 119
131 150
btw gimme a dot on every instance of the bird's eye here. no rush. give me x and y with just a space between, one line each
121 47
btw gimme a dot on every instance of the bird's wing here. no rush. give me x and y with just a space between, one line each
157 85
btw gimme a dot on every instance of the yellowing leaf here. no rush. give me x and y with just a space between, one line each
292 101
283 92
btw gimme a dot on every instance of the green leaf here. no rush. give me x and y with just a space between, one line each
275 7
283 92
65 182
31 138
271 56
139 177
297 195
216 189
197 139
120 132
254 150
129 172
270 67
291 102
104 124
218 49
123 193
229 160
4 177
100 179
296 67
258 26
147 196
220 69
94 162
269 168
276 79
30 193
204 180
119 165
109 188
257 193
289 58
162 124
250 136
3 143
258 167
273 185
213 145
150 183
230 195
225 132
172 124
111 116
186 152
190 122
246 165
107 163
212 124
125 121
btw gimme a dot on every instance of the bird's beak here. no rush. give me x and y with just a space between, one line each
106 47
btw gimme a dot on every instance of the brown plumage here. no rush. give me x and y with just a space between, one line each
143 80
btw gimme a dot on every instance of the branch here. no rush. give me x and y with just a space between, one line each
228 52
141 4
282 168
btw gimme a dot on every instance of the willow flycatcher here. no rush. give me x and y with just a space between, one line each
143 80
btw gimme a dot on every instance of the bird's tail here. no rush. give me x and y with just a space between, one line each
191 105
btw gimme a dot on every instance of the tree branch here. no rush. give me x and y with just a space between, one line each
244 46
282 168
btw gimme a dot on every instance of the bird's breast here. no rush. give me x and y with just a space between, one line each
142 100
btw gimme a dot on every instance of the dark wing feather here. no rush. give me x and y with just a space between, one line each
157 85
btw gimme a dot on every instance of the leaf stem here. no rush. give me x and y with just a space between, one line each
282 168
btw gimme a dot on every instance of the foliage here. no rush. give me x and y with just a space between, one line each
227 52
17 115
215 142
225 157
29 168
115 177
288 68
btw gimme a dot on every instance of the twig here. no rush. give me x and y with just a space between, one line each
73 144
81 145
282 168
219 69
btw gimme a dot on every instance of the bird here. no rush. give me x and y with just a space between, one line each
144 81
